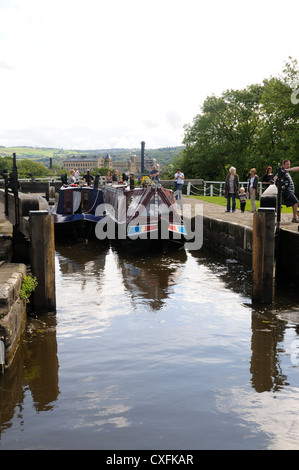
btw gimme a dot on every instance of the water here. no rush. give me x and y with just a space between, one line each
157 352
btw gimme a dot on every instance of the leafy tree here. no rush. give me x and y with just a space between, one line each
101 171
254 127
27 167
223 135
6 163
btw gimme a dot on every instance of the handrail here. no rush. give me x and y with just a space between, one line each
211 188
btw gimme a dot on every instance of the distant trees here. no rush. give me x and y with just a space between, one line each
101 171
6 163
26 167
254 127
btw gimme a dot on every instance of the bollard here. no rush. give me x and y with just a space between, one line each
263 249
42 256
269 197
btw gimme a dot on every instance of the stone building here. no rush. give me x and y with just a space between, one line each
132 165
84 162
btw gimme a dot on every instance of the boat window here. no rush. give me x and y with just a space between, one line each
85 201
68 202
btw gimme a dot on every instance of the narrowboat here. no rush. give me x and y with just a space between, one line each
75 213
144 217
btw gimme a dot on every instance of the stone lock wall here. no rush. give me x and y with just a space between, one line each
229 239
12 308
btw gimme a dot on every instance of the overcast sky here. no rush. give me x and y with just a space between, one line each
93 74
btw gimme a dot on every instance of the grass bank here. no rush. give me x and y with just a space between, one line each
222 202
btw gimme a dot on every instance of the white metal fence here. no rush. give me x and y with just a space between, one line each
214 188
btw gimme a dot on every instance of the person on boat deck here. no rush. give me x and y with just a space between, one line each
77 174
108 177
72 178
154 174
125 177
115 176
88 178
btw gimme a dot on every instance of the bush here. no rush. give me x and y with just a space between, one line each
28 286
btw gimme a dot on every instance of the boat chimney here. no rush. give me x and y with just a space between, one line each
142 157
96 181
132 181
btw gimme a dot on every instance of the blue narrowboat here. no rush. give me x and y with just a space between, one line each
75 214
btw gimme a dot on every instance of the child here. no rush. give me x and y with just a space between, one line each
242 197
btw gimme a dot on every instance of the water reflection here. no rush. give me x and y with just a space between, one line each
150 277
206 360
268 322
35 369
83 259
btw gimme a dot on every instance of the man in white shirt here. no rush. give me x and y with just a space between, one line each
179 179
179 182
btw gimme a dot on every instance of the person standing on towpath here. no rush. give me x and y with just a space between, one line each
288 187
231 188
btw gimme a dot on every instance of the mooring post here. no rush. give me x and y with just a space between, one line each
42 256
263 249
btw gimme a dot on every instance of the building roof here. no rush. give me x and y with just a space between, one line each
80 158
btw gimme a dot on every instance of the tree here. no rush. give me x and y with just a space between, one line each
6 163
27 167
279 135
254 127
223 135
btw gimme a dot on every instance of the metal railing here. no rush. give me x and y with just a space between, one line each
196 187
214 188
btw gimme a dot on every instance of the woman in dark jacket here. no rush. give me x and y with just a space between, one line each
231 188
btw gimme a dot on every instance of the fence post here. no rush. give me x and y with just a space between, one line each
188 188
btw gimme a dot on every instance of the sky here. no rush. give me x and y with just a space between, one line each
97 74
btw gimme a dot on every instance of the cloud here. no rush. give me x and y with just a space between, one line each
5 65
151 123
174 119
121 72
89 138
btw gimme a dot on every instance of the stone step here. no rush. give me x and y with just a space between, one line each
11 275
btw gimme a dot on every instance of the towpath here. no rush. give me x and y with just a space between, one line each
217 211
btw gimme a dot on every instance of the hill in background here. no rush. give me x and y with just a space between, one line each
164 156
